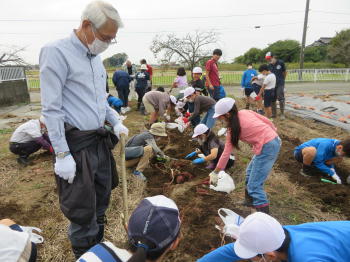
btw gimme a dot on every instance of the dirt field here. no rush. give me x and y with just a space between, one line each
28 195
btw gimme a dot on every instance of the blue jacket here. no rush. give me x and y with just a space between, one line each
247 77
142 79
121 79
325 150
310 242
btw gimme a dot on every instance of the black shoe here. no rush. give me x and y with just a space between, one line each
23 161
265 209
306 171
79 251
248 200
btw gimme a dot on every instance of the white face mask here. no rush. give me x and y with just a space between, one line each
97 46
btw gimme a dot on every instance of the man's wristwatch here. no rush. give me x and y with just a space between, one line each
62 155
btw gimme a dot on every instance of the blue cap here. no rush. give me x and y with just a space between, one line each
155 219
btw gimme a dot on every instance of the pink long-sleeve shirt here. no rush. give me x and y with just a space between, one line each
256 130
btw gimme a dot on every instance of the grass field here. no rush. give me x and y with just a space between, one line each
166 78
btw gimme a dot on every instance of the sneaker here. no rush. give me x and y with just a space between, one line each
261 112
139 175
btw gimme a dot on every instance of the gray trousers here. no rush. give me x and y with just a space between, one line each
279 93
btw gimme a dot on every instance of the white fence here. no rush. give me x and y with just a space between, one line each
10 73
316 75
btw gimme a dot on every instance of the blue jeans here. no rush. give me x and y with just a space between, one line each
195 121
217 93
259 169
208 119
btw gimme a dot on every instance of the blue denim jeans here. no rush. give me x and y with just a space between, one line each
259 169
217 93
208 119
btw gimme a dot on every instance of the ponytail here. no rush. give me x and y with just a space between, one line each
234 126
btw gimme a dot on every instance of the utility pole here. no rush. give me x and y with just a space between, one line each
304 39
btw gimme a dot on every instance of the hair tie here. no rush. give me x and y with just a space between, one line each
144 246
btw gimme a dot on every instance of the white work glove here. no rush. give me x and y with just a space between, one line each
214 177
120 129
201 155
336 178
65 168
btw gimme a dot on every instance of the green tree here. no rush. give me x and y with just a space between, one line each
315 54
115 60
339 48
239 59
253 55
287 50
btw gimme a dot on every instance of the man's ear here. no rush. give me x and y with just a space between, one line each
271 256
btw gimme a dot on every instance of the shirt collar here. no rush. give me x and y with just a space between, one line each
78 44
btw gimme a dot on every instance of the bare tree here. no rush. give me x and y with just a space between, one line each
188 50
11 55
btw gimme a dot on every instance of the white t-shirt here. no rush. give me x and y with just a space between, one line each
270 81
27 132
260 80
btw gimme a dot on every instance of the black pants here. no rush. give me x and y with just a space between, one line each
84 202
123 94
24 149
140 92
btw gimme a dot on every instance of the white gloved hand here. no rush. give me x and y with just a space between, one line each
214 177
201 155
120 129
336 178
65 168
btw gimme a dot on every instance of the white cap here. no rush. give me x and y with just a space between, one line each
199 130
143 67
189 91
258 234
173 99
197 70
223 106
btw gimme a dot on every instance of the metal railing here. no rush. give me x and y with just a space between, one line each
11 73
166 78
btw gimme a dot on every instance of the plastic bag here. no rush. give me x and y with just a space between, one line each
232 222
224 184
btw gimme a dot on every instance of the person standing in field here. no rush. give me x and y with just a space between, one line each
257 83
121 81
131 70
74 104
267 89
216 90
142 82
149 71
277 67
180 81
257 131
246 84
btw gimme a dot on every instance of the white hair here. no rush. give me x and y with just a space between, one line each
98 12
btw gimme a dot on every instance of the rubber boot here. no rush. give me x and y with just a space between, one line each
265 209
138 106
282 105
274 109
248 200
101 221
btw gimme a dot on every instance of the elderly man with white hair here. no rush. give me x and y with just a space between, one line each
73 93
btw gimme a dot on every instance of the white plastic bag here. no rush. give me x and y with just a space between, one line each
231 220
222 131
35 238
224 184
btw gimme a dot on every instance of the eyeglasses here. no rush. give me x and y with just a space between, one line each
104 38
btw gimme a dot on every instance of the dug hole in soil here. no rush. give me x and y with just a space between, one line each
198 205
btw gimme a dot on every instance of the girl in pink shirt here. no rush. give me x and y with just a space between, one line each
260 133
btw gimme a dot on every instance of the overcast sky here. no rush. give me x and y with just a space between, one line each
233 19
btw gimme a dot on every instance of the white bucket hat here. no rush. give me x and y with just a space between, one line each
197 70
223 106
189 91
199 130
259 234
173 99
143 67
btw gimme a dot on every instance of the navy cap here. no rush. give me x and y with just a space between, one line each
155 219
